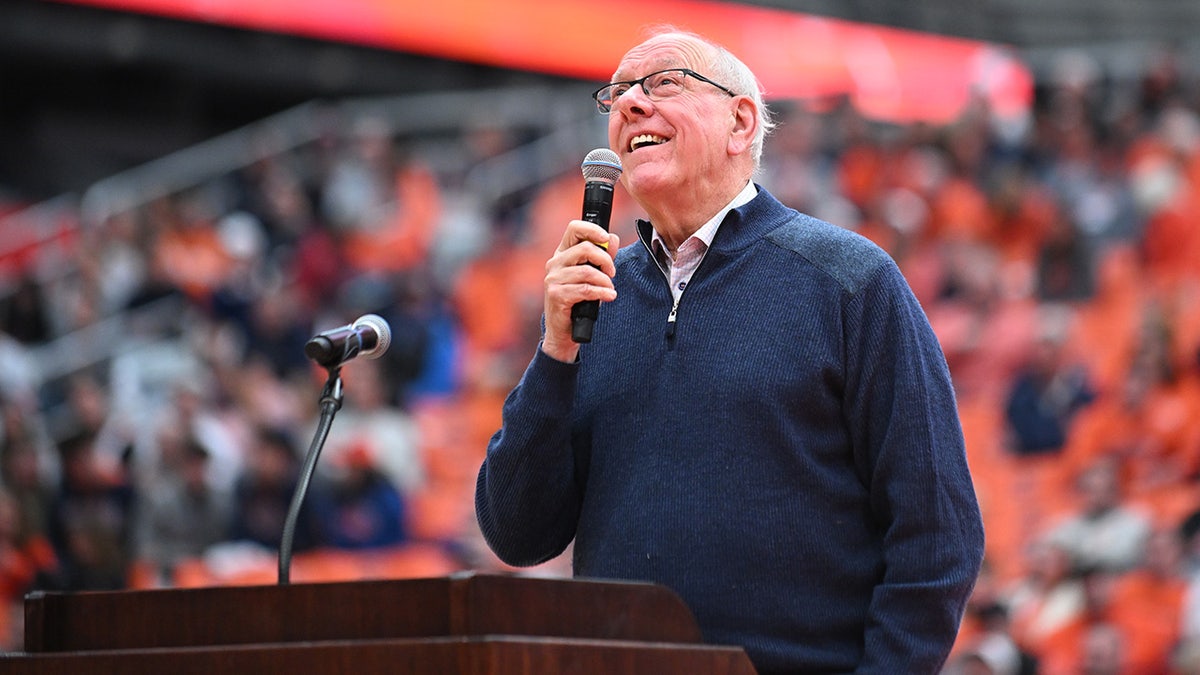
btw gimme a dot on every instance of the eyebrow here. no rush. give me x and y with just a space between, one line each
666 64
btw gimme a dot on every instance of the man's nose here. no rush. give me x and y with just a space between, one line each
634 100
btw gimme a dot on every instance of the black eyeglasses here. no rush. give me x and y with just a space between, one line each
657 86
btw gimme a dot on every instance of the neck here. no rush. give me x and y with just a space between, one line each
677 218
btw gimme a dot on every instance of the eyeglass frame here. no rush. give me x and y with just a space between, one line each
641 81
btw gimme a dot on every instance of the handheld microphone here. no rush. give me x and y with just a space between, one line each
601 169
368 337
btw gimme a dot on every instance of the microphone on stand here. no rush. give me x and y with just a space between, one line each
368 337
601 170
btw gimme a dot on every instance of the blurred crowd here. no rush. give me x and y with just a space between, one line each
1056 254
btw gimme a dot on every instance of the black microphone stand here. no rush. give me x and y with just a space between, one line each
331 402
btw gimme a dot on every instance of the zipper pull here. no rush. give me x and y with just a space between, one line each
671 320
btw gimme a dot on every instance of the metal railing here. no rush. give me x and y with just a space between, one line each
566 120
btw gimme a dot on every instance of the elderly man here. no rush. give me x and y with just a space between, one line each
763 420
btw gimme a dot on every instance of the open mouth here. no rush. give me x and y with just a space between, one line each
644 140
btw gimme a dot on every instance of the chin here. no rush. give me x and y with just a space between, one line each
647 178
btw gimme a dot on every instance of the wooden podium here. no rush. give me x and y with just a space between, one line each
465 624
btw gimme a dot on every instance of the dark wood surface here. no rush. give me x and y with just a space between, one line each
463 624
449 656
460 605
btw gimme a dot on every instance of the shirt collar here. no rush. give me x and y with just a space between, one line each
708 231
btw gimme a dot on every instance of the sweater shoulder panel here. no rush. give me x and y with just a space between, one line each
849 258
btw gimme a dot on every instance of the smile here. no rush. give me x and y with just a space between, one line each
642 140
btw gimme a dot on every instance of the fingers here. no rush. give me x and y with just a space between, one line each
582 272
585 243
581 230
581 269
572 283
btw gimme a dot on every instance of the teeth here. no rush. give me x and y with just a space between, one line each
645 139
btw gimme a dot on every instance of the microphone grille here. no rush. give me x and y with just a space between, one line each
602 164
382 329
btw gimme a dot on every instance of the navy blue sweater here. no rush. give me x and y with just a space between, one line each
786 454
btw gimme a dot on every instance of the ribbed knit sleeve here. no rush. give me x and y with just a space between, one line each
527 497
905 428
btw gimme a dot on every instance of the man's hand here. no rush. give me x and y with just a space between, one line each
581 269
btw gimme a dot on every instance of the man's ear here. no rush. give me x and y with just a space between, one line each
745 124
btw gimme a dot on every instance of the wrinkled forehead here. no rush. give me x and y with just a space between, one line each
671 50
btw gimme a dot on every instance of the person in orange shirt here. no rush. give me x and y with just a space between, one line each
1090 641
1048 600
1130 623
1147 605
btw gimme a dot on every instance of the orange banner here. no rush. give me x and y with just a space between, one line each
889 74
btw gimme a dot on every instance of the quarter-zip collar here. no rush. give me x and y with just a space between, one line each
742 225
